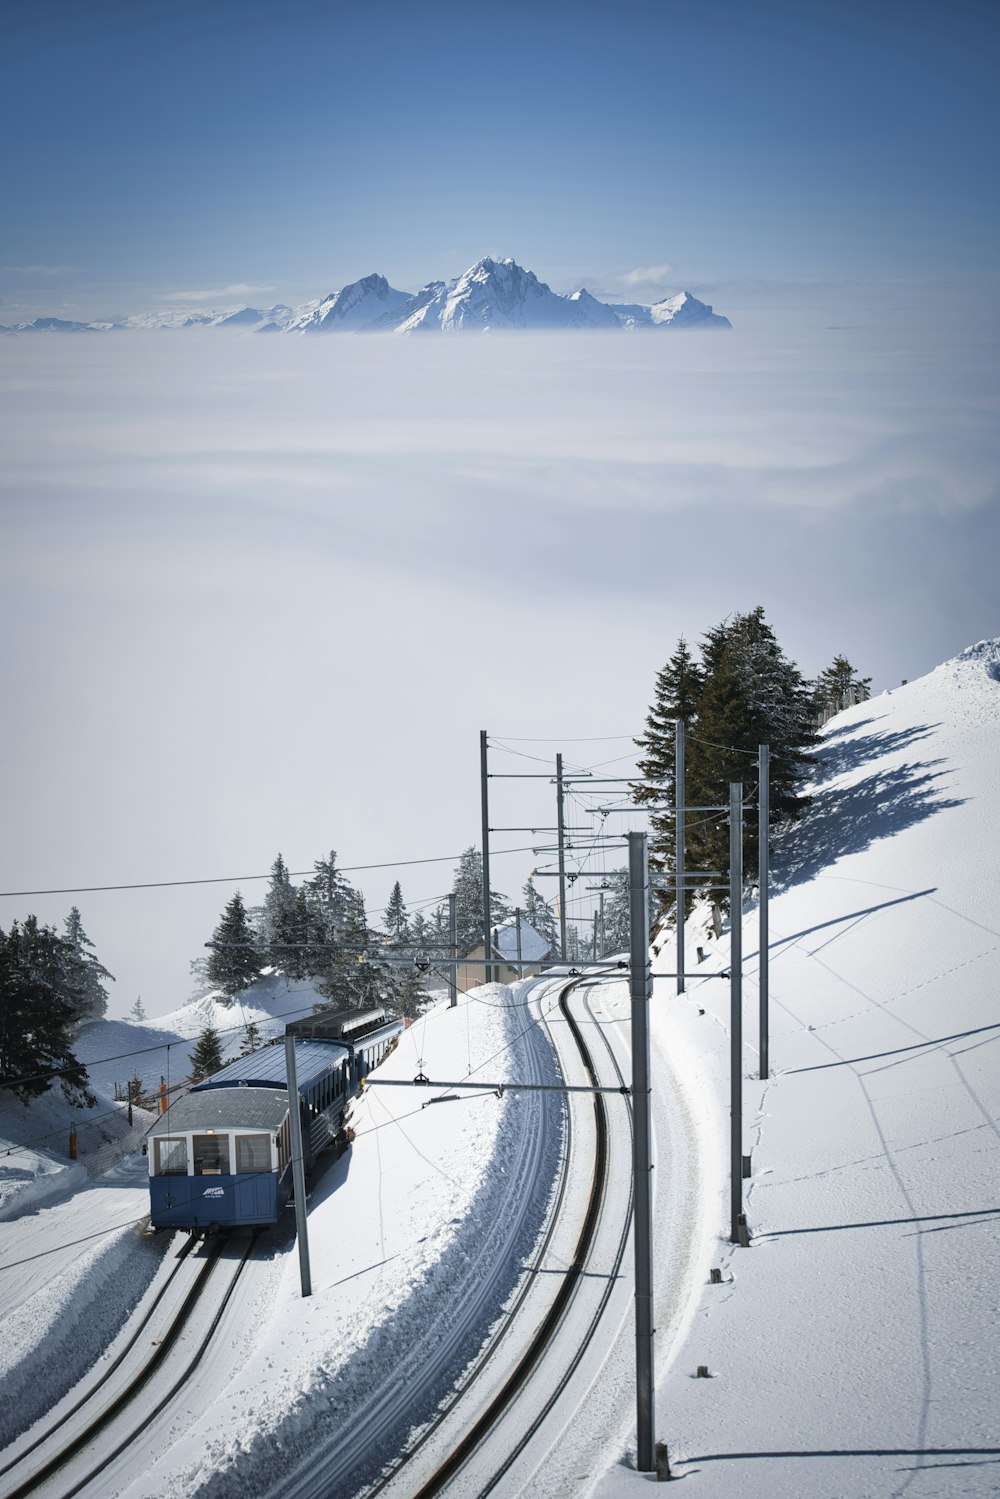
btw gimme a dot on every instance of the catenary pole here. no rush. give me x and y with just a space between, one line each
517 926
560 829
601 953
484 778
679 837
298 1165
641 986
453 944
763 884
735 1007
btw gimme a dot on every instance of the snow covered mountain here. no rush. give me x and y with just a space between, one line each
682 311
492 294
356 306
497 294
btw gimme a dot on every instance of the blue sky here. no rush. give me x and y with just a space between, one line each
160 150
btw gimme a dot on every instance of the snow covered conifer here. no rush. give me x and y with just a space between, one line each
39 1011
539 914
279 914
468 888
395 918
838 687
84 973
234 961
207 1055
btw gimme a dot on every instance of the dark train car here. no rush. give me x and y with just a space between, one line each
221 1156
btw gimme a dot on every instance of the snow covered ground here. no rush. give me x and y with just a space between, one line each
851 1349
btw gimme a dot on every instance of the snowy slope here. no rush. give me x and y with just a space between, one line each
853 1348
497 294
353 307
681 311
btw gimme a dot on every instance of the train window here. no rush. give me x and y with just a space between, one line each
211 1155
170 1157
253 1153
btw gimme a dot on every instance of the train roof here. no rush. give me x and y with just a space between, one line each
265 1068
225 1108
346 1025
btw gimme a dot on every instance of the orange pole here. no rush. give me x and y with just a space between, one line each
163 1096
72 1142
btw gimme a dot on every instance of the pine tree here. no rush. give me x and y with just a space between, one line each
39 1011
251 1038
421 936
138 1011
84 972
838 687
395 918
468 888
742 693
752 695
279 915
206 1058
539 914
234 962
676 695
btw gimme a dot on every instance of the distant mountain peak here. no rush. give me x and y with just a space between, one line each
491 294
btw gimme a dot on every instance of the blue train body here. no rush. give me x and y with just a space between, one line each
221 1156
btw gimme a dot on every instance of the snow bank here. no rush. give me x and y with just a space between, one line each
52 1339
853 1349
417 1239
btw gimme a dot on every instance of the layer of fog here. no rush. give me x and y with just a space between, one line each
262 593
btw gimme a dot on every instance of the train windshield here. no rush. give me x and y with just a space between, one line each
253 1153
211 1155
171 1157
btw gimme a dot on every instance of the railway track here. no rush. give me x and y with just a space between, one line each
61 1459
334 1471
453 1467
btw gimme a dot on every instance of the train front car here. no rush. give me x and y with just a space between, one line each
221 1156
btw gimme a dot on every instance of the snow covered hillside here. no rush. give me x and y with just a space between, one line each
852 1350
492 294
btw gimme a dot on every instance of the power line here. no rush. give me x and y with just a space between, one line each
237 879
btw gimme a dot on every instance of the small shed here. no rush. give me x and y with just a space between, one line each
534 948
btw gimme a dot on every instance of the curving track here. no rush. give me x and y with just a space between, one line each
492 1431
159 1353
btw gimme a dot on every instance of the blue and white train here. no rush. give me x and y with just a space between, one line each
221 1155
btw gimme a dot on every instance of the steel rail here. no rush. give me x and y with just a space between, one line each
490 1349
516 1381
116 1363
139 1382
609 1284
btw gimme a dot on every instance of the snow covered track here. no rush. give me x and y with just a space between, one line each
439 1358
91 1428
498 1429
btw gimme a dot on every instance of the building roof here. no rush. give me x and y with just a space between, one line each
534 947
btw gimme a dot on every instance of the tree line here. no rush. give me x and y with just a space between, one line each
319 931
